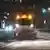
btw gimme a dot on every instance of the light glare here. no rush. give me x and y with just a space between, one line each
6 29
44 21
17 25
7 13
24 16
30 17
31 25
10 28
49 9
18 17
43 10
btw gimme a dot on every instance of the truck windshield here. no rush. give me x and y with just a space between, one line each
24 22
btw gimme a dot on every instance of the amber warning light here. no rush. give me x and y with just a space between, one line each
24 17
18 17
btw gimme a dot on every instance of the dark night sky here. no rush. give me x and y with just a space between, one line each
9 6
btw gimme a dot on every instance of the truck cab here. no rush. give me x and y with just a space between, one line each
24 27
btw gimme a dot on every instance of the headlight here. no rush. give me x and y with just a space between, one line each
9 28
31 25
17 25
6 28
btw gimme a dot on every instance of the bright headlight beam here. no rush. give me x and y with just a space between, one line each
17 25
31 25
8 28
